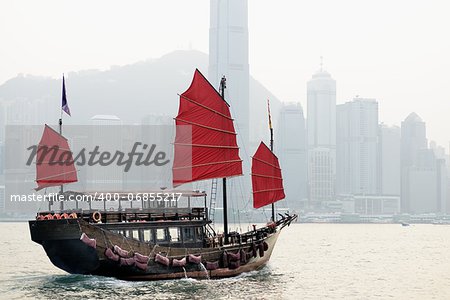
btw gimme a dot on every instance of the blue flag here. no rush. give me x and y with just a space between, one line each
65 105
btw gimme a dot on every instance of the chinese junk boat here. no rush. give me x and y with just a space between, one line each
153 242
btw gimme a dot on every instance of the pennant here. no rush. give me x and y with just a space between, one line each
64 104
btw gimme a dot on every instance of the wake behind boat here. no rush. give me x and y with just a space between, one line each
173 237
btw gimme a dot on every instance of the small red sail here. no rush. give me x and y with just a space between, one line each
54 161
205 142
267 181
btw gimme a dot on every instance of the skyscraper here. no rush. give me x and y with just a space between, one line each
321 132
290 146
422 184
413 141
228 56
357 135
389 160
107 134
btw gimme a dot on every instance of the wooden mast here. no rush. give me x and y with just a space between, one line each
224 179
61 204
271 149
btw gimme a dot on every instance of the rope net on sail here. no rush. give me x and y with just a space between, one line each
267 181
205 142
54 161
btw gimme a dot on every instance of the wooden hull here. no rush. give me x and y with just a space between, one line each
61 241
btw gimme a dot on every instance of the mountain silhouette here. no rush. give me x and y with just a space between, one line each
130 92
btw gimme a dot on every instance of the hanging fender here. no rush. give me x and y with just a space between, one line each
195 259
90 242
179 262
111 255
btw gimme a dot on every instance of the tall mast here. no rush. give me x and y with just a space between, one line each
223 85
61 205
271 149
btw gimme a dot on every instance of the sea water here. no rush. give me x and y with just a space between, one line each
310 261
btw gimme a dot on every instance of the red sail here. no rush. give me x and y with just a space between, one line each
267 181
205 142
54 161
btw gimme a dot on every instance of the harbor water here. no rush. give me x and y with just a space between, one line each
310 261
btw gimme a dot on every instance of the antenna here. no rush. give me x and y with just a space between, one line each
321 63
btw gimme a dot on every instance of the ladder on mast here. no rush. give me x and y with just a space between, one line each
212 200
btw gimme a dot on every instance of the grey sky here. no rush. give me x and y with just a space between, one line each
394 51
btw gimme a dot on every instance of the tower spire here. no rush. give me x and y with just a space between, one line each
321 63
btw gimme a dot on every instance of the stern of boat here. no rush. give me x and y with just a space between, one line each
61 242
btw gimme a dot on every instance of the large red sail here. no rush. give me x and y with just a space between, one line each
267 181
54 161
205 142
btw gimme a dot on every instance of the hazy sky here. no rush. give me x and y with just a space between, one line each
395 51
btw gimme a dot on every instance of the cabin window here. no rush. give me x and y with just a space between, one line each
141 235
188 234
174 235
161 235
148 236
199 233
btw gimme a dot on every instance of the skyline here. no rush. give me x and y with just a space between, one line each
392 52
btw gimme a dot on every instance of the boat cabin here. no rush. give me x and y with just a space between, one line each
176 219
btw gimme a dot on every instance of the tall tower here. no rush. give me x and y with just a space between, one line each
321 130
228 56
357 136
413 141
389 160
290 147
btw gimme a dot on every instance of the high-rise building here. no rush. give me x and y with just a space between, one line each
2 121
356 147
413 140
321 136
290 146
228 56
2 158
422 184
389 160
2 198
107 135
424 175
443 177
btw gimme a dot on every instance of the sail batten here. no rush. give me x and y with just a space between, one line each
266 176
267 163
54 161
268 190
207 164
205 126
267 180
205 144
206 107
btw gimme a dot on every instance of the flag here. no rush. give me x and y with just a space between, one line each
270 119
65 105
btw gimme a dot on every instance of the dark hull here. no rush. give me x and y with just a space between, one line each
61 241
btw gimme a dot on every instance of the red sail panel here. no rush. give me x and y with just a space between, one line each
205 141
267 181
54 161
